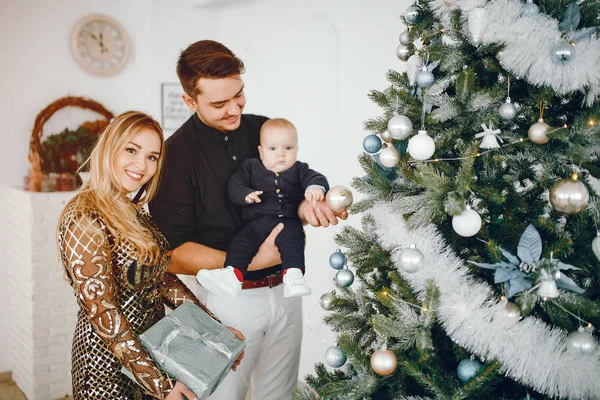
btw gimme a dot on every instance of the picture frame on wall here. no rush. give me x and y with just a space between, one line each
174 112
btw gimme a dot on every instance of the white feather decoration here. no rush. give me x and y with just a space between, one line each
477 23
530 351
528 42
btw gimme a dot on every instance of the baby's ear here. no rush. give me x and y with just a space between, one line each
260 152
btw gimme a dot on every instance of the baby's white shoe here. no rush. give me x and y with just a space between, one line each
220 281
294 283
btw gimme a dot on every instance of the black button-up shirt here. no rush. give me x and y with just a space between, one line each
192 203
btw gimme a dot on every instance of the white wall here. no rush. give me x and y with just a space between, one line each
310 61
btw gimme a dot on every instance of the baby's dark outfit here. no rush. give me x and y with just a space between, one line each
282 194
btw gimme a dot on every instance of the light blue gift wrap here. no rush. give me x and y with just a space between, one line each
192 348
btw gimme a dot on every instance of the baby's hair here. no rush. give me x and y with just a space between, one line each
277 123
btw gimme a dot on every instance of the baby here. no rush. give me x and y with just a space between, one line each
269 190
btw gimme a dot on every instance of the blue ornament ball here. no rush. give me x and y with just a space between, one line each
335 357
372 144
467 369
563 53
529 10
337 260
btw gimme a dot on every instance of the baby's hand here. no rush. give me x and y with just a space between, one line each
253 197
314 194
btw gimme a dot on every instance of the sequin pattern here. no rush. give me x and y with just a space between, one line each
119 297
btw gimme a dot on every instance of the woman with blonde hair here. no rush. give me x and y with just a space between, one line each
116 260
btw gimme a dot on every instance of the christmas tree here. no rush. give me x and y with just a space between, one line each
478 259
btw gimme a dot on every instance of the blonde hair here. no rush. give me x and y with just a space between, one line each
104 195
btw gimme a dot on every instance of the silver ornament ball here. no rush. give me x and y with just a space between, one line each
425 79
344 278
399 127
507 110
411 259
389 157
402 52
384 362
326 301
404 38
529 10
581 342
562 53
335 357
413 14
569 195
538 132
596 246
339 198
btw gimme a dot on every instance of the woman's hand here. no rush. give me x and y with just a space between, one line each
180 390
241 337
319 214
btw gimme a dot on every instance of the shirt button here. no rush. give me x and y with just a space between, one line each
279 195
280 200
276 173
280 216
278 190
226 138
276 182
234 158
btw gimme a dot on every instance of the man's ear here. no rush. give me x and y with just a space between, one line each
189 102
260 151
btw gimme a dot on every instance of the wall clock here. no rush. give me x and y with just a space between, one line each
100 45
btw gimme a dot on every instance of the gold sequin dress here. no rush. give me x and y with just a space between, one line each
118 299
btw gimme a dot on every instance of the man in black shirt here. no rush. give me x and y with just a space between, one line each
194 213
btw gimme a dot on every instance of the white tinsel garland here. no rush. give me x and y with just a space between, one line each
530 351
528 42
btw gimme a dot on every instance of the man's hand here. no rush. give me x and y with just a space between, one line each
241 337
253 197
268 253
314 194
319 214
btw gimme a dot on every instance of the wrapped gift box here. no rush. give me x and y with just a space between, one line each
192 348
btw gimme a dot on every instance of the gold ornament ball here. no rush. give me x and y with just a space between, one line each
511 313
384 362
538 132
389 157
386 137
569 195
339 198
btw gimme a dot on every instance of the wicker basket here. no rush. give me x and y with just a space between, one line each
35 144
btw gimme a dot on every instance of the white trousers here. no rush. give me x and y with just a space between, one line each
272 325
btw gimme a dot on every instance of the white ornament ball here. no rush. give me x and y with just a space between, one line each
404 38
563 53
399 127
339 198
538 132
596 246
384 361
335 357
529 9
467 223
507 110
569 195
402 52
581 342
389 157
421 146
511 313
411 259
425 78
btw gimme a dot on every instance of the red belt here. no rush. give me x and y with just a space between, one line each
269 281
